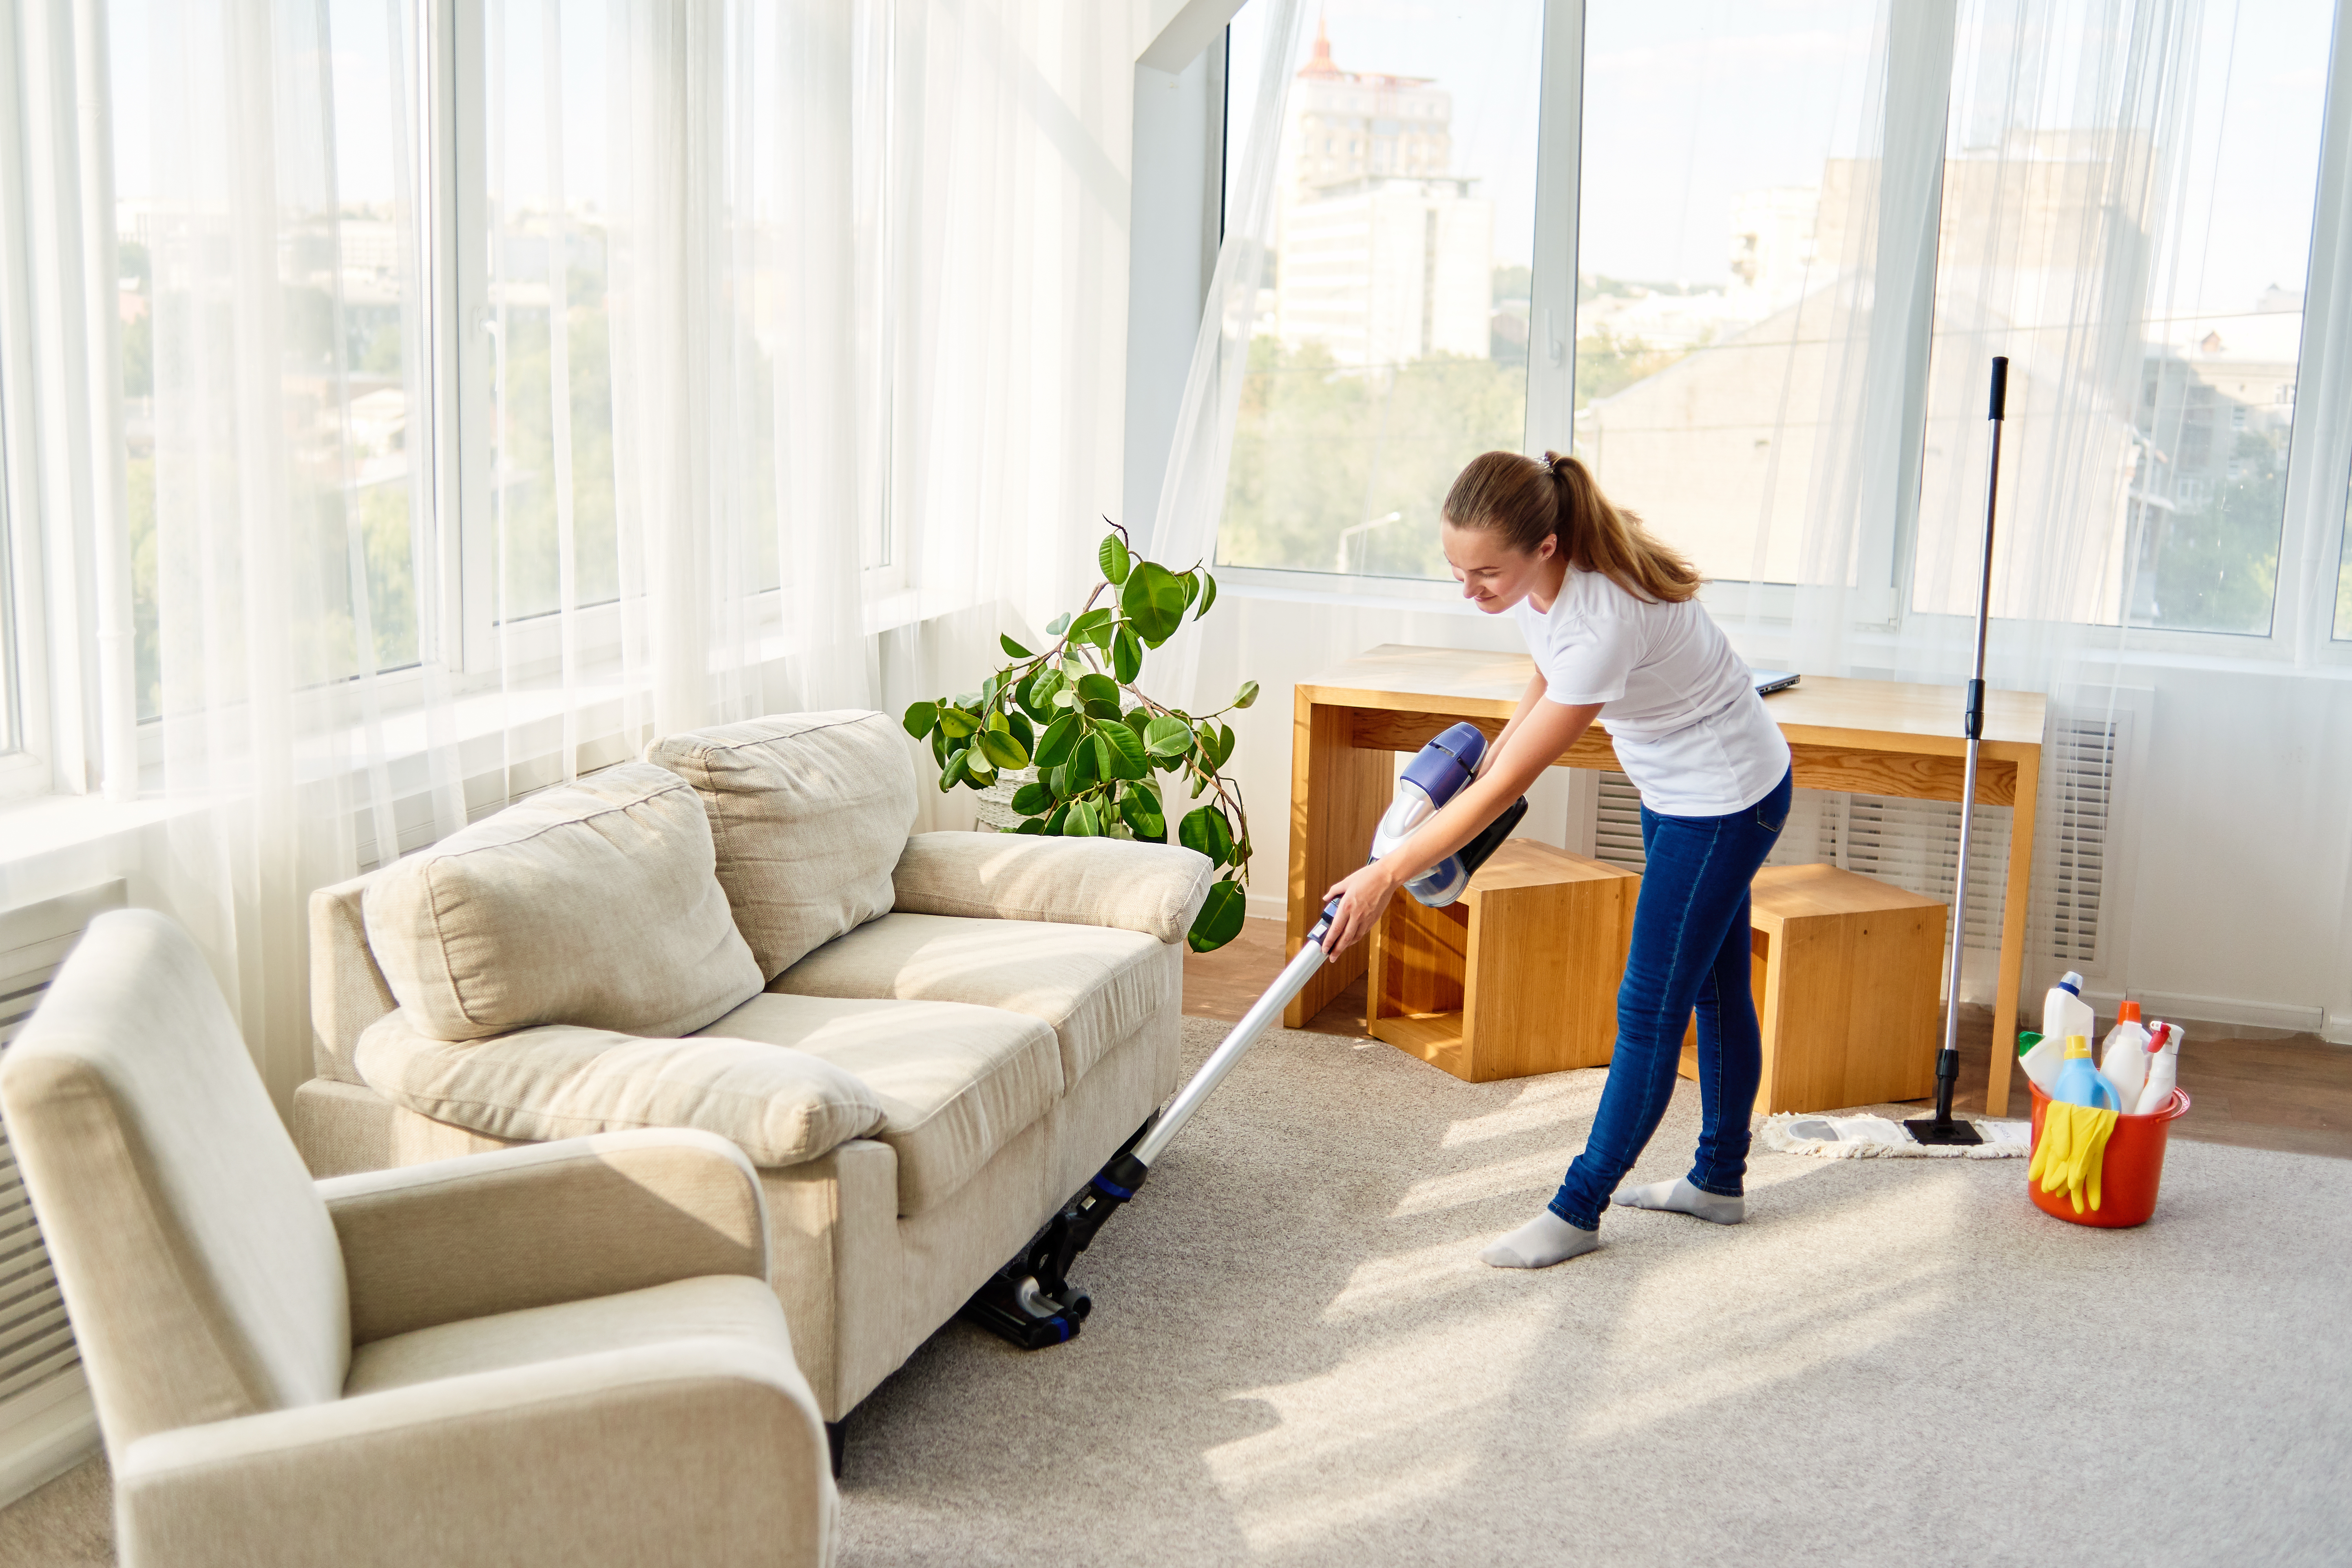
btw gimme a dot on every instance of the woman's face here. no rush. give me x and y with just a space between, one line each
1493 575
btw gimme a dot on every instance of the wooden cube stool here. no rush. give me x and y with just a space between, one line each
1519 976
1848 982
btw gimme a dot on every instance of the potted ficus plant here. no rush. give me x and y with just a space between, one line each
1107 755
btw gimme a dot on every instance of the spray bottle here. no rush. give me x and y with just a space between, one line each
2079 1082
2123 1060
2163 1069
2064 1013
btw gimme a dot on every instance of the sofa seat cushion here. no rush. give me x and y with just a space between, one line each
1094 985
956 1083
592 904
780 1106
715 1306
809 811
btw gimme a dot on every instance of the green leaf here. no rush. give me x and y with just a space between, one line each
956 770
1204 828
1082 822
1100 689
1220 916
1166 737
1015 649
1246 695
1225 745
1208 594
1191 581
940 747
1126 655
1033 826
1216 744
1114 559
1058 624
957 723
1084 629
1139 718
1128 761
1061 736
1000 723
1023 731
1060 820
1085 764
1002 750
1153 601
967 700
1140 807
1032 800
920 717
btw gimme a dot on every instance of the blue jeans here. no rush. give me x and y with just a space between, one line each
1691 948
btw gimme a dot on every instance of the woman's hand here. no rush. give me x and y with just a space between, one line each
1363 897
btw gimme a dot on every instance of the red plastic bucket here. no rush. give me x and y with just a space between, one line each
2133 1168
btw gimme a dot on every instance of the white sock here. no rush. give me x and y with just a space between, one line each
1541 1242
1683 1199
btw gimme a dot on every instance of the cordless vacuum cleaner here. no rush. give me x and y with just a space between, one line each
1030 1301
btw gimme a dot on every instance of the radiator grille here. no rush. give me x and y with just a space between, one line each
36 1346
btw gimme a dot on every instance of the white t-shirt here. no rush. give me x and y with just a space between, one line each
1679 705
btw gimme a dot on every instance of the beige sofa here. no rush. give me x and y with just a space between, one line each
926 1042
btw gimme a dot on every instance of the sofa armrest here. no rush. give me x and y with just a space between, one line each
1156 888
454 1239
696 1450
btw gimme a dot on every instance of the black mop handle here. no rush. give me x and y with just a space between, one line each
1948 1061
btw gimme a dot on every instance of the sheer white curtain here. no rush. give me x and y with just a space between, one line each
788 361
1192 494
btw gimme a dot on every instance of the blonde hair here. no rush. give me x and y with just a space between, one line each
1528 500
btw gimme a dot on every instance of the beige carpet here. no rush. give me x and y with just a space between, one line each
1296 1358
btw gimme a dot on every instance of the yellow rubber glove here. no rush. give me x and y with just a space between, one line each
2071 1151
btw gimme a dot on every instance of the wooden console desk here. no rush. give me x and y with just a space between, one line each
1876 737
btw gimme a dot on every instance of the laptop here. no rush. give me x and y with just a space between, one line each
1767 681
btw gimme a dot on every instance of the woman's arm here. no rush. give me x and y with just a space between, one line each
1534 739
1528 700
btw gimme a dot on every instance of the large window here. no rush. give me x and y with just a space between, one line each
2137 245
343 346
545 488
1726 240
1800 233
1393 347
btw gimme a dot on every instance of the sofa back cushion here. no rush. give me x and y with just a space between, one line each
809 813
592 904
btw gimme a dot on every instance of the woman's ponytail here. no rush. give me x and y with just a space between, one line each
1529 500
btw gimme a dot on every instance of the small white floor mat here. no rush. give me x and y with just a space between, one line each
1876 1137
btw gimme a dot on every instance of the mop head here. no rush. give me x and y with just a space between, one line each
1874 1137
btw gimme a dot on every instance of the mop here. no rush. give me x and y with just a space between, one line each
1865 1136
1030 1301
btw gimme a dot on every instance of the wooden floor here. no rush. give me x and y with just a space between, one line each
2257 1089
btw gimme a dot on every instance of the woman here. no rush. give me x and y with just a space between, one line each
1611 618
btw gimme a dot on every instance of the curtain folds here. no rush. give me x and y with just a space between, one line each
787 374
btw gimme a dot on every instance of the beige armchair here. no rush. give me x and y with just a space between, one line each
562 1354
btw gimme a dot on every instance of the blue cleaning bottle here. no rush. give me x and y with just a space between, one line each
2079 1082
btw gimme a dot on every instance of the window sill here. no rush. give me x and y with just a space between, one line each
49 825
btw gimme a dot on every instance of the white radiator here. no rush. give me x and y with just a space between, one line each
46 1421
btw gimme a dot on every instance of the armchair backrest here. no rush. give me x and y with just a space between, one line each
199 1266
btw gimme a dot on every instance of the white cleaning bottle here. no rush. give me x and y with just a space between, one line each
2163 1069
2064 1013
2123 1060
